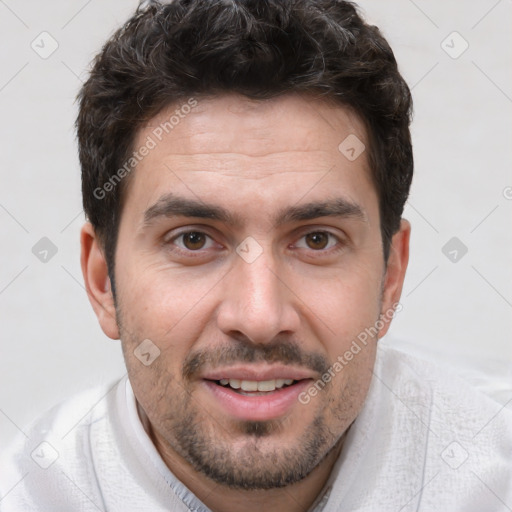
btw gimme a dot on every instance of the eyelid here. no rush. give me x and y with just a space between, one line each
179 235
319 228
178 231
340 240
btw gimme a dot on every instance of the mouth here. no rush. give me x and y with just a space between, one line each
255 400
254 387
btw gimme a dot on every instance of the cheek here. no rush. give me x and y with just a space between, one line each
341 399
346 302
166 302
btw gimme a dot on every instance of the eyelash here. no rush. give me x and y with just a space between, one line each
339 246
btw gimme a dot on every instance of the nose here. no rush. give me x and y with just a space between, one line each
257 302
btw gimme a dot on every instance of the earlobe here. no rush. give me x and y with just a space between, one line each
97 281
395 273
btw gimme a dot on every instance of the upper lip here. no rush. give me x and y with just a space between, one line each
258 373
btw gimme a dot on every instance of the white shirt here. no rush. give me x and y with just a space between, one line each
424 441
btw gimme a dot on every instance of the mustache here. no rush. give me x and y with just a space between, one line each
279 351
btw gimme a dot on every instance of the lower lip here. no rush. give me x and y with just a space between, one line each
258 407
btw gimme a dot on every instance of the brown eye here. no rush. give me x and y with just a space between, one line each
194 240
317 240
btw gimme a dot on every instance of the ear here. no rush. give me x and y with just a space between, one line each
395 273
97 281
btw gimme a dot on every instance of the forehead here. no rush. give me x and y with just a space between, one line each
231 144
304 123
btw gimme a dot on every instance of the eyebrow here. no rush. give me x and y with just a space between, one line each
171 205
337 207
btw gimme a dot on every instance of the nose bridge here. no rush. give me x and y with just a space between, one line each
256 302
260 291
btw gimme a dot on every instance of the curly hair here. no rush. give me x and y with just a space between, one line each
170 51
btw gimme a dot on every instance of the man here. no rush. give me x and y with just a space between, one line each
245 165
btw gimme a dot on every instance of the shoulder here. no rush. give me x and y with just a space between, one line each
50 462
451 395
468 449
456 407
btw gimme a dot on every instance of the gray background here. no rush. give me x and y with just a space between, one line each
453 311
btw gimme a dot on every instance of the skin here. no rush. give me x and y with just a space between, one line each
196 296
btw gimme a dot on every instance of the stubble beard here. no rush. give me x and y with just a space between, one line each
253 465
260 462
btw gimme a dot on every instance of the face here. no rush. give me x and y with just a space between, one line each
250 256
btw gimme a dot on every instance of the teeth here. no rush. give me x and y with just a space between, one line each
234 383
267 385
249 385
254 385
